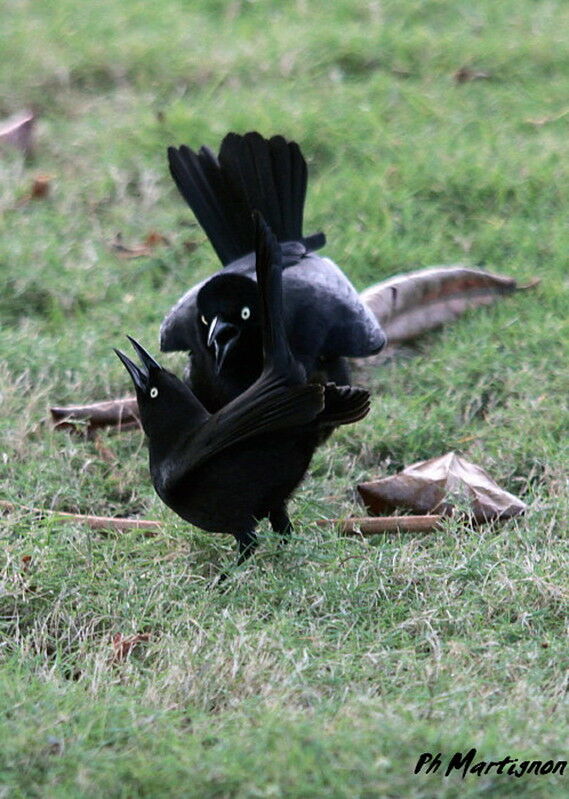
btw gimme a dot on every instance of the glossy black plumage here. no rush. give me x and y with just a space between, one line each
324 318
225 471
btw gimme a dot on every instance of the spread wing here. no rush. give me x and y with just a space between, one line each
268 406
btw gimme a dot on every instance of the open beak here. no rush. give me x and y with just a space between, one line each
139 376
144 356
222 336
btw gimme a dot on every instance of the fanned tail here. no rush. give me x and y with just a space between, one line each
250 173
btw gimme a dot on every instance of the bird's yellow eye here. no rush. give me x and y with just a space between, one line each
153 392
245 312
204 320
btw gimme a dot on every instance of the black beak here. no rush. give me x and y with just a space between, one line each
139 376
222 336
144 356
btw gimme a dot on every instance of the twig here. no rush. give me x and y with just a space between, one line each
94 522
371 525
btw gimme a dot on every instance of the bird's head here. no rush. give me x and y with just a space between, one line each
228 316
163 400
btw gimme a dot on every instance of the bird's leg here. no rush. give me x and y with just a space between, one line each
280 522
247 545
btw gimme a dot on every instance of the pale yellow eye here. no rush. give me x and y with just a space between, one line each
245 312
153 392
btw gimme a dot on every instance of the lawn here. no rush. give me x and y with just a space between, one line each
328 669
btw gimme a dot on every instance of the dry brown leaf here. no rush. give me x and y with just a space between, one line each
124 644
437 485
18 131
411 304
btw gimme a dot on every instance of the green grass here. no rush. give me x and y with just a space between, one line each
324 671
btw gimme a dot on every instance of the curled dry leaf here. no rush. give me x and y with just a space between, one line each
18 131
124 644
435 486
409 305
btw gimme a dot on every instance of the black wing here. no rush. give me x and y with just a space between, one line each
269 405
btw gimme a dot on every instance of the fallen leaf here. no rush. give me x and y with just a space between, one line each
465 74
411 304
18 131
435 485
124 644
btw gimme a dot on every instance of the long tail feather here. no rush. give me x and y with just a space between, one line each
268 262
251 173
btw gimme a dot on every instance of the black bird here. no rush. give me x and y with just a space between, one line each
219 320
226 471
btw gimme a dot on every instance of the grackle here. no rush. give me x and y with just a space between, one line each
226 471
219 320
